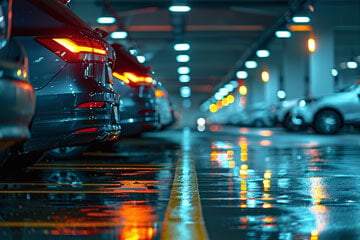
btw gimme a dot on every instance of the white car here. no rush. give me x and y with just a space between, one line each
326 115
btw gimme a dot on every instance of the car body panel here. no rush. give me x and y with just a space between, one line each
345 102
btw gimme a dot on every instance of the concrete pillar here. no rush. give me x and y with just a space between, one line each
295 62
273 85
321 62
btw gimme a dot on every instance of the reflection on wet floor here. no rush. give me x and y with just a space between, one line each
239 183
96 197
267 191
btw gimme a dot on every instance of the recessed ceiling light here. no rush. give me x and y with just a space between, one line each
106 20
183 58
283 34
251 64
119 35
179 8
181 47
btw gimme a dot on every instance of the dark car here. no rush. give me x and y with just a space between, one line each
17 98
68 64
134 83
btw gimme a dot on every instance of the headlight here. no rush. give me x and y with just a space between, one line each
302 103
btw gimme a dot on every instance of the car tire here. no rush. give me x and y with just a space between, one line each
290 126
258 123
66 152
327 122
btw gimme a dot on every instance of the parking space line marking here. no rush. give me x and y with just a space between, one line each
183 217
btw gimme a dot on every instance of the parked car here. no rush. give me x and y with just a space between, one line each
326 115
257 115
68 64
282 115
164 106
17 98
134 83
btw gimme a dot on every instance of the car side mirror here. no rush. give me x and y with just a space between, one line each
5 21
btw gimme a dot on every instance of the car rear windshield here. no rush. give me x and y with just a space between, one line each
32 17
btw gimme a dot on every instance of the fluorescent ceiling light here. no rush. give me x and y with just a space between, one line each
283 34
185 91
106 20
281 94
141 58
183 70
229 87
351 64
234 83
301 19
251 64
179 8
242 74
119 35
223 91
334 72
183 58
263 53
182 47
184 78
218 96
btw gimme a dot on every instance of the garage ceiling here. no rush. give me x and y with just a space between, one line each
221 34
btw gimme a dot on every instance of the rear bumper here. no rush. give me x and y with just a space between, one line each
17 101
59 123
141 123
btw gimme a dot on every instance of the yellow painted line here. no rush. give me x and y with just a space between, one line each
183 217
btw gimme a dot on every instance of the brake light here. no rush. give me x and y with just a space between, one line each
146 111
87 130
160 93
76 49
91 105
128 77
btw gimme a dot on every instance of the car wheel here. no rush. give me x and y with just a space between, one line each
66 152
258 123
327 122
290 126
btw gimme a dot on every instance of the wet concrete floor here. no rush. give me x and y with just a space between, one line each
223 183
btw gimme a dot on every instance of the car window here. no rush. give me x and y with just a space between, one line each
348 88
43 16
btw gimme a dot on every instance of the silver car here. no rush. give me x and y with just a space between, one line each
326 115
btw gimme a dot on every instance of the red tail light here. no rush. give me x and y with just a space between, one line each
144 111
160 93
76 49
87 130
91 105
128 77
